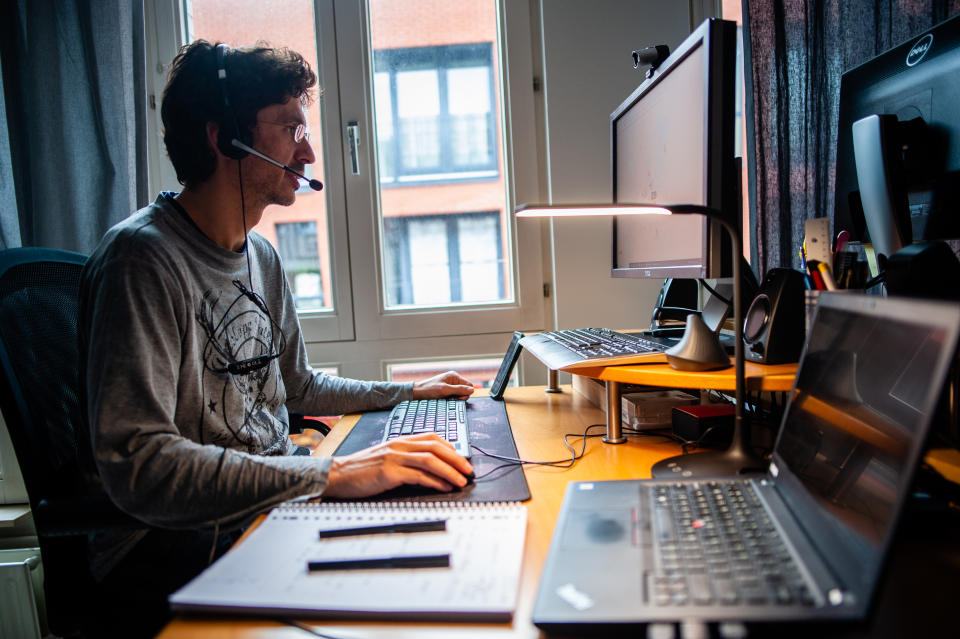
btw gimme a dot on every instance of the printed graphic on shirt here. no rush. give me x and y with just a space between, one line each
241 384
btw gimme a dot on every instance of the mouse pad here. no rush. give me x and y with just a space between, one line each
496 480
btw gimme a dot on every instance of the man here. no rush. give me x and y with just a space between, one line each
191 344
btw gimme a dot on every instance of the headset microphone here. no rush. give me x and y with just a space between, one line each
316 185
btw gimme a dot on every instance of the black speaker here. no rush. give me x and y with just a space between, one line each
229 130
773 324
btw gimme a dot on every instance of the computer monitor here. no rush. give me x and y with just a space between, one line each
672 142
915 88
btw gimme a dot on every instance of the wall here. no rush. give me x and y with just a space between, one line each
587 73
12 489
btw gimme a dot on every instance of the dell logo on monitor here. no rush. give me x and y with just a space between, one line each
919 50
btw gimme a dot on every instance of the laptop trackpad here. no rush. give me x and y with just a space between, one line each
610 528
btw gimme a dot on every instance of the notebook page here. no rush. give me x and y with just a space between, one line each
268 571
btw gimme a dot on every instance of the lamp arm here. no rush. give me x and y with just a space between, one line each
740 444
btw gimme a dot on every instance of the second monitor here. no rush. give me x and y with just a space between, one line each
672 142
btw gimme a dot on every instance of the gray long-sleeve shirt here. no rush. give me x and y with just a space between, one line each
179 440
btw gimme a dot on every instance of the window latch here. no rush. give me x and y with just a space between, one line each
353 141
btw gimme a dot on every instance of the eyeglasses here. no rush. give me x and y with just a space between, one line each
251 364
297 130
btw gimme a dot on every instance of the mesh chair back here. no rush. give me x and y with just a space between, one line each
39 358
40 400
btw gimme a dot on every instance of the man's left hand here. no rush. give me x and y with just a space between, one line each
449 384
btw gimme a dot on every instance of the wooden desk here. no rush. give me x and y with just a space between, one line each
907 604
539 421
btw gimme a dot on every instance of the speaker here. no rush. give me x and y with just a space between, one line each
773 324
229 130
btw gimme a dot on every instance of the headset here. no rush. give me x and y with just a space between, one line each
229 130
233 142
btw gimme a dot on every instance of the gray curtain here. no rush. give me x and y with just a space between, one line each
798 49
73 128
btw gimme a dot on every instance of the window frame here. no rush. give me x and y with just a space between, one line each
526 311
451 221
437 58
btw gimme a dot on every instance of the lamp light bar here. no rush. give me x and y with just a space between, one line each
578 210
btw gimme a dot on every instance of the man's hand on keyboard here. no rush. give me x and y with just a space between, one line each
426 460
450 384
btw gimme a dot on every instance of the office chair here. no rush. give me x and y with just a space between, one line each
40 402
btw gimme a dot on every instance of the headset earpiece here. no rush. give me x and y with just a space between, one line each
229 130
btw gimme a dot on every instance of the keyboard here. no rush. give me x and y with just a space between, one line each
715 544
445 417
582 347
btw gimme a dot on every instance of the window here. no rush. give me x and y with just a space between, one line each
443 259
297 243
435 113
481 371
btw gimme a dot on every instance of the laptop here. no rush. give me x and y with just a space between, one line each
824 513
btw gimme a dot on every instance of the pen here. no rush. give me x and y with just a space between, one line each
402 527
814 270
827 276
842 238
411 561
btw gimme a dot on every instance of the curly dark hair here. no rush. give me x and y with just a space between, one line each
256 78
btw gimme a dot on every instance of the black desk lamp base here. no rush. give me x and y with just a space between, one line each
714 463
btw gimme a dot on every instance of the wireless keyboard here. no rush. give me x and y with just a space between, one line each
445 417
583 347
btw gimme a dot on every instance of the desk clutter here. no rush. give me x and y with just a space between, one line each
438 561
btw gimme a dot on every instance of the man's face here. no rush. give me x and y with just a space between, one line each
273 135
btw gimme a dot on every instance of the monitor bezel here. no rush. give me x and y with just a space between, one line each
718 40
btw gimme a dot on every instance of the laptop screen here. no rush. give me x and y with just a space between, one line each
866 388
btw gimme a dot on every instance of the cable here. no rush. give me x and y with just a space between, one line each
574 455
243 217
713 292
560 463
305 628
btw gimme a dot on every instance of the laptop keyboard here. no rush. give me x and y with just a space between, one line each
445 417
602 342
716 545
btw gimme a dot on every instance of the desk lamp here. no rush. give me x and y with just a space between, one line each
739 457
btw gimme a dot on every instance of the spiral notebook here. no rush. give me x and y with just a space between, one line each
268 572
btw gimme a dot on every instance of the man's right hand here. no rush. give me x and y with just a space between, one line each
426 460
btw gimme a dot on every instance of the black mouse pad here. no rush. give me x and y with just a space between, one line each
496 480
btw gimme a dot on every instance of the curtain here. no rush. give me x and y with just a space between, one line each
73 127
797 50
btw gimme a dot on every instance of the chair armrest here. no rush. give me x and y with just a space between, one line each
298 422
81 516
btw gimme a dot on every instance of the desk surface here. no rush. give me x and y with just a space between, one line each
539 420
907 605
